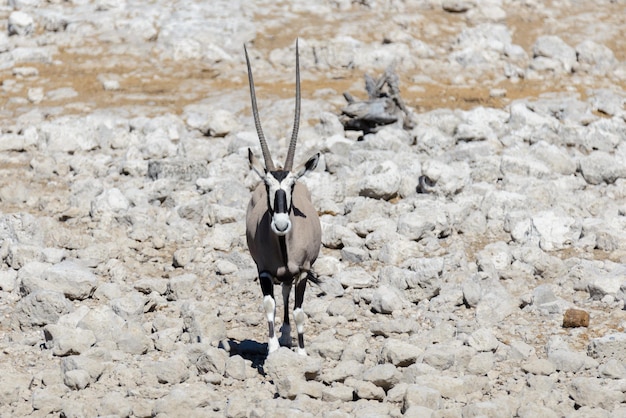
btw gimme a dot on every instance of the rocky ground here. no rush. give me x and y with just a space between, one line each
126 288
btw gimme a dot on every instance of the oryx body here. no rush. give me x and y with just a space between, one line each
282 228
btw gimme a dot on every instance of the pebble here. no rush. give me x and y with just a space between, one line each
573 318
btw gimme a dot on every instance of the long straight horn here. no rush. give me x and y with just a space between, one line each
296 123
269 164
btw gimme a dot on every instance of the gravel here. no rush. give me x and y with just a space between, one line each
451 251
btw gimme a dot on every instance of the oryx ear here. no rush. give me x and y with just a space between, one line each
255 164
308 166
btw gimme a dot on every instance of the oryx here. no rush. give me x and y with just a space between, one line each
282 226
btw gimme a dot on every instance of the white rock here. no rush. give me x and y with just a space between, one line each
35 95
608 284
613 369
495 257
483 409
186 398
20 23
565 359
356 278
366 390
539 367
522 116
483 340
75 281
202 323
62 93
42 307
449 178
326 347
550 47
76 379
595 57
337 393
471 292
209 360
284 362
68 135
481 364
380 180
523 164
8 279
385 376
210 121
554 157
132 339
110 202
184 286
103 322
91 365
115 403
417 395
67 341
495 304
400 353
600 167
130 306
588 391
386 300
170 370
428 217
556 231
608 346
344 370
165 340
354 349
342 307
520 350
441 358
453 387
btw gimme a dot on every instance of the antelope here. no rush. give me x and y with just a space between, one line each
282 227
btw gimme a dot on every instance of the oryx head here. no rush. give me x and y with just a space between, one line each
279 183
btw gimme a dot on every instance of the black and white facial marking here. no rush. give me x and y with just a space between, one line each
279 186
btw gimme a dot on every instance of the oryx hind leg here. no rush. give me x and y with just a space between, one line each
269 306
298 313
285 329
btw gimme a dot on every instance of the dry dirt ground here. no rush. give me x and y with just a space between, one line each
159 86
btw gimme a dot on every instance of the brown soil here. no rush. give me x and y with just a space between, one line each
160 86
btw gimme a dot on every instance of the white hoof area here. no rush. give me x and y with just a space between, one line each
272 345
301 351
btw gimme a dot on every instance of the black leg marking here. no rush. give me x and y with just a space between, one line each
286 292
267 284
298 313
285 329
269 306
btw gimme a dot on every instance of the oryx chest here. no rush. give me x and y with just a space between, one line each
286 256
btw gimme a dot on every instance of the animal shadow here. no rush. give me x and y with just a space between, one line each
251 350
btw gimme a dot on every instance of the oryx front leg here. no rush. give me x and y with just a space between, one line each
285 329
298 313
269 306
